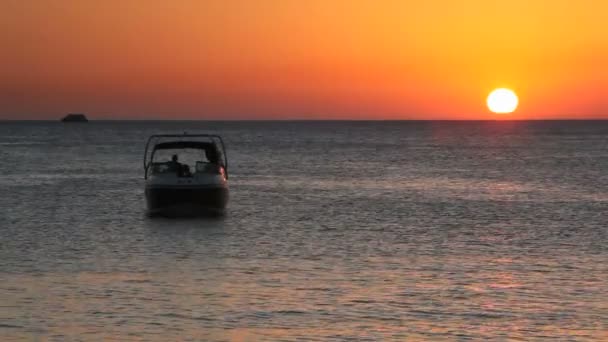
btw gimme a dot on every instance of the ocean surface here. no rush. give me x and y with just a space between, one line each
335 231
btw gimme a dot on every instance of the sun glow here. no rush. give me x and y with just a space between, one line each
502 101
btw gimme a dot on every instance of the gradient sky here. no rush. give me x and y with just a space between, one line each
302 59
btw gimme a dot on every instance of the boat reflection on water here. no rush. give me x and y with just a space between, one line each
186 175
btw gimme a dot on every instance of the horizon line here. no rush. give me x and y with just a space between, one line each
307 120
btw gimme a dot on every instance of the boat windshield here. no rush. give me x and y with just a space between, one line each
187 160
185 154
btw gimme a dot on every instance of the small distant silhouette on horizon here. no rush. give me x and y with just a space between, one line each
75 117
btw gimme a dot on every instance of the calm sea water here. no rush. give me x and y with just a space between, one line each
335 231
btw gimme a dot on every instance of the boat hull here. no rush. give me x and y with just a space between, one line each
174 201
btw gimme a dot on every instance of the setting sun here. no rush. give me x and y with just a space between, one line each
502 101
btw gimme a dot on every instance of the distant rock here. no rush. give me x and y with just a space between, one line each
75 118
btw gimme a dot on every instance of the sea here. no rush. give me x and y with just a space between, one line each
335 231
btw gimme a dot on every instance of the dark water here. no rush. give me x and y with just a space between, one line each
335 231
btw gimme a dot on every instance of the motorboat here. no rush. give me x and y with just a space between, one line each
185 175
75 117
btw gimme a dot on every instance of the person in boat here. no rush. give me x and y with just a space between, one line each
183 170
174 164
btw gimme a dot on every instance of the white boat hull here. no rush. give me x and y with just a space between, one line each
186 201
197 196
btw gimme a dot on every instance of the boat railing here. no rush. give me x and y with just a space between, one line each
153 140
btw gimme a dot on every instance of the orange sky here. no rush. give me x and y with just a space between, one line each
299 59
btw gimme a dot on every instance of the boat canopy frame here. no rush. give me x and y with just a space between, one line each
184 141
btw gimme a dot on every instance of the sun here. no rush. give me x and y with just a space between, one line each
502 101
